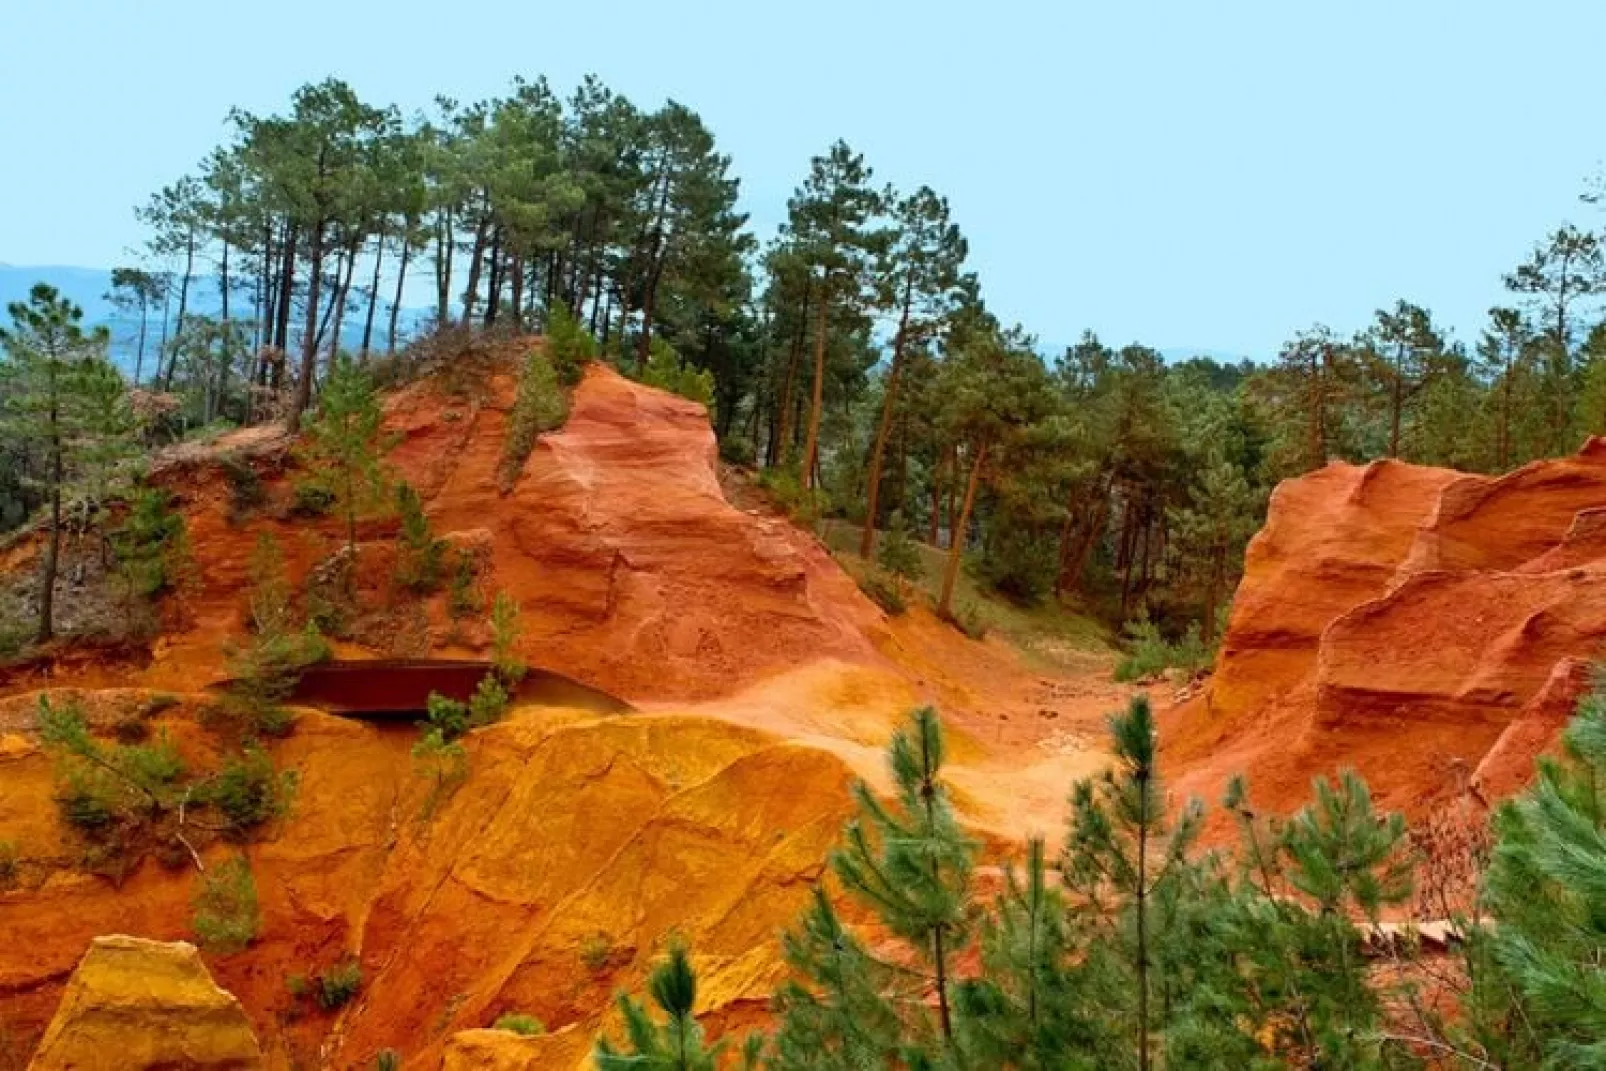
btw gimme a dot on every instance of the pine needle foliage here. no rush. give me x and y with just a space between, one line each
342 449
676 1044
909 861
1542 998
421 557
227 917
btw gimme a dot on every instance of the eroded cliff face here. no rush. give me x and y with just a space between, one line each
580 841
1428 628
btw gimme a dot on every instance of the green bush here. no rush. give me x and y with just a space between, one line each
666 371
151 547
250 792
897 553
227 918
786 488
444 762
387 1060
488 703
463 597
99 788
337 986
420 557
595 951
1150 654
447 715
311 499
517 1022
883 591
968 618
539 407
569 346
505 631
737 451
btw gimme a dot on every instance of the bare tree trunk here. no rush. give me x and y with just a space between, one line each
373 298
309 345
52 558
872 492
395 305
471 291
956 540
493 291
349 256
811 443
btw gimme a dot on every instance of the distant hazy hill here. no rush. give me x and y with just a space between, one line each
88 287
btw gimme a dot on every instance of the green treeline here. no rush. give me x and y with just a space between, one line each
1134 948
850 356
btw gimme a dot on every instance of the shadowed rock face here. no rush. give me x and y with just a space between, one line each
134 1004
1426 627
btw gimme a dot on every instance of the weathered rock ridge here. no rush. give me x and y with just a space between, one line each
1426 627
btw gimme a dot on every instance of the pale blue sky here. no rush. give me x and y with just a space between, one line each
1188 173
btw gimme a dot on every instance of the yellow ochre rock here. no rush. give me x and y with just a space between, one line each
135 1004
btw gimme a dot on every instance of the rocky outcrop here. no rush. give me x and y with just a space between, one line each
1426 627
501 1050
134 1004
634 573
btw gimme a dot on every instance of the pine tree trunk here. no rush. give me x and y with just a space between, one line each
349 256
493 287
373 298
52 558
183 306
139 350
956 541
811 444
309 345
872 491
471 292
1143 921
287 282
516 299
395 305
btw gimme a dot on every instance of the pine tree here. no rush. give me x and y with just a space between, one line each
1543 1001
1403 350
1121 853
842 1017
898 553
1036 1005
919 278
676 1044
420 556
60 394
909 861
343 449
1209 536
830 224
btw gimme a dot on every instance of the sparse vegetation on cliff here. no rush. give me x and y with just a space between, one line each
226 917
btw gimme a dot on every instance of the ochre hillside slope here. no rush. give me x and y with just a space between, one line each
579 842
634 574
1428 628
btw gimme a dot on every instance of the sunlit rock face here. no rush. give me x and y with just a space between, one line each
134 1004
1426 627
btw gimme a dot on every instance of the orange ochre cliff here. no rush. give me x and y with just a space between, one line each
581 841
1428 628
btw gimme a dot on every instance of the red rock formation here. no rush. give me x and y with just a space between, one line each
1425 627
